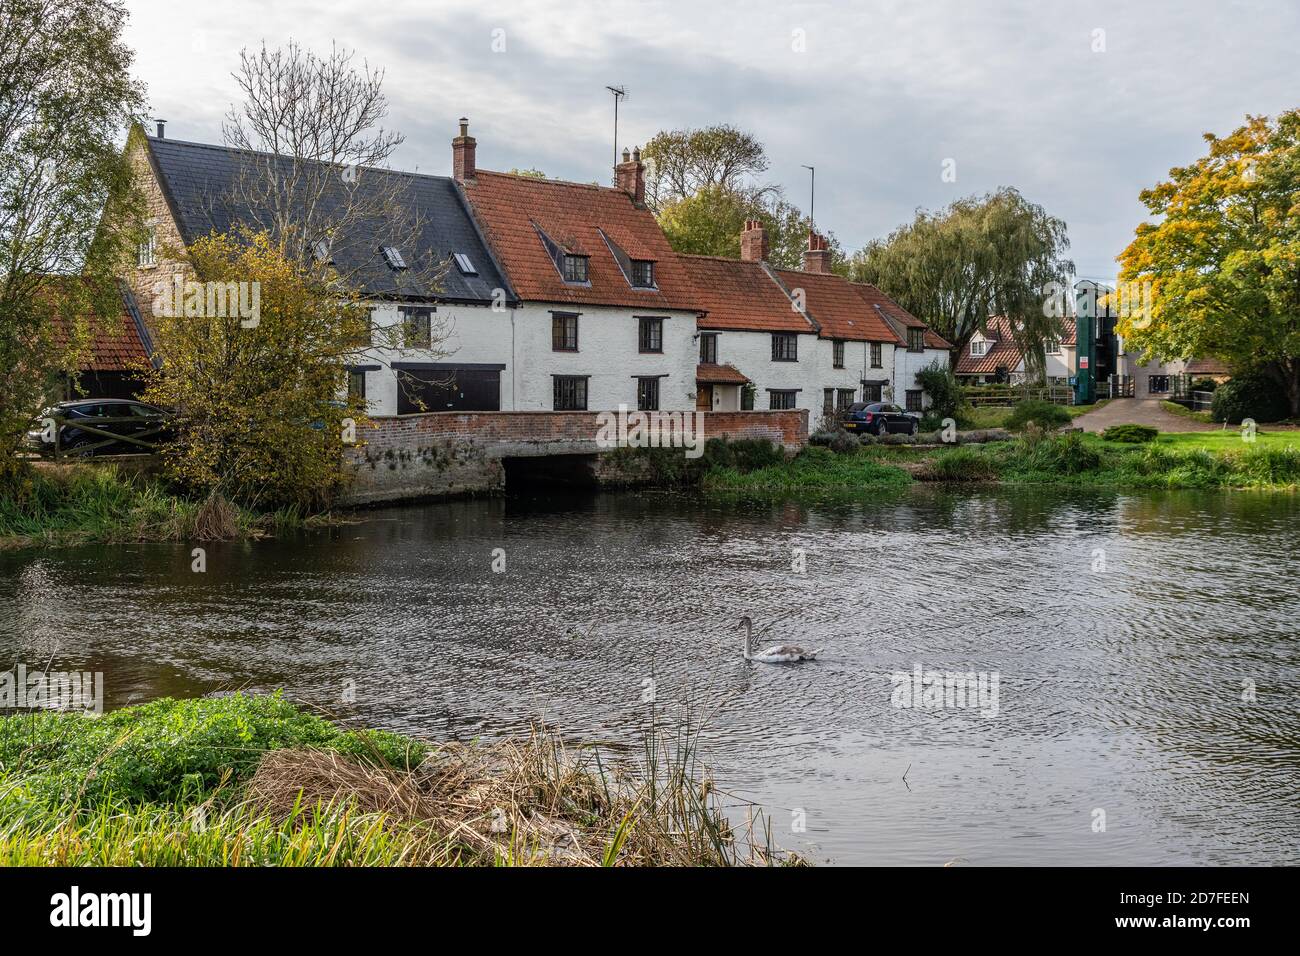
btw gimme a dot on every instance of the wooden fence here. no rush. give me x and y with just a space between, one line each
1002 395
54 425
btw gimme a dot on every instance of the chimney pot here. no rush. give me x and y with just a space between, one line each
753 241
162 126
817 257
462 154
629 176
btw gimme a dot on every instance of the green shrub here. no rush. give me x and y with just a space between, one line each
169 749
947 400
1044 414
961 464
1130 433
1251 395
837 440
1205 385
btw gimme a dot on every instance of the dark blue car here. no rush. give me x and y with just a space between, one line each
878 418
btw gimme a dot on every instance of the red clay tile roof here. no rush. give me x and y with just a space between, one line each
115 344
840 307
1004 352
513 208
740 296
896 314
719 374
1207 366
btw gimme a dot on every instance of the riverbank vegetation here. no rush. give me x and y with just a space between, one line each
255 781
1192 460
81 504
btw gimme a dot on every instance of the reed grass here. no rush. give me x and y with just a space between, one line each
255 781
84 503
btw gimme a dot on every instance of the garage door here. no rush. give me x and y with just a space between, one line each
440 387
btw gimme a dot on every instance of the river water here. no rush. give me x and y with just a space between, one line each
1145 649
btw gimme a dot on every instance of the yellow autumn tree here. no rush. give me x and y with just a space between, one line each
1223 256
253 354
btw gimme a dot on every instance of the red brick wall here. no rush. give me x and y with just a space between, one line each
787 428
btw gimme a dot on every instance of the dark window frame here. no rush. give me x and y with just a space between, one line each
650 334
877 355
780 353
560 337
640 281
356 385
647 393
914 393
782 395
574 384
837 353
423 338
708 348
916 340
572 264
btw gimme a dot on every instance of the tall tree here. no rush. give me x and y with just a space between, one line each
704 183
313 150
682 162
66 99
1223 261
997 254
710 221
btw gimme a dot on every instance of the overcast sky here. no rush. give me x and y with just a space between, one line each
1077 104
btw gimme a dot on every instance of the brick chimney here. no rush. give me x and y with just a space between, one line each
629 175
753 241
817 257
462 154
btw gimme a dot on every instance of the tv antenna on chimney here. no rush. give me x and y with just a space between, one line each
812 198
619 93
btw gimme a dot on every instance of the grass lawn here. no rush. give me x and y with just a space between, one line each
995 416
1230 440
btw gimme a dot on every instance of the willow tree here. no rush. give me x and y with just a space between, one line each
1223 259
983 256
66 100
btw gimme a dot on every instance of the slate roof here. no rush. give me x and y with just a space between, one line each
842 309
200 182
595 221
741 296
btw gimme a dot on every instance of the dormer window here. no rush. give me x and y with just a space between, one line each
1053 347
643 274
393 256
575 268
916 340
979 347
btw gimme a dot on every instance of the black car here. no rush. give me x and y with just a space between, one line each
118 416
877 418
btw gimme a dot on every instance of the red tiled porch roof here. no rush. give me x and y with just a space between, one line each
719 374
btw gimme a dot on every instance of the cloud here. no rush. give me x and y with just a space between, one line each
876 95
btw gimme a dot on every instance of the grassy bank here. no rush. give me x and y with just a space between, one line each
1192 460
255 781
78 504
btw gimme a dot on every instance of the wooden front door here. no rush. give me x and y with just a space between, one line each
704 398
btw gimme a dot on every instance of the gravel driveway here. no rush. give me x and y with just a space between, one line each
1139 411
